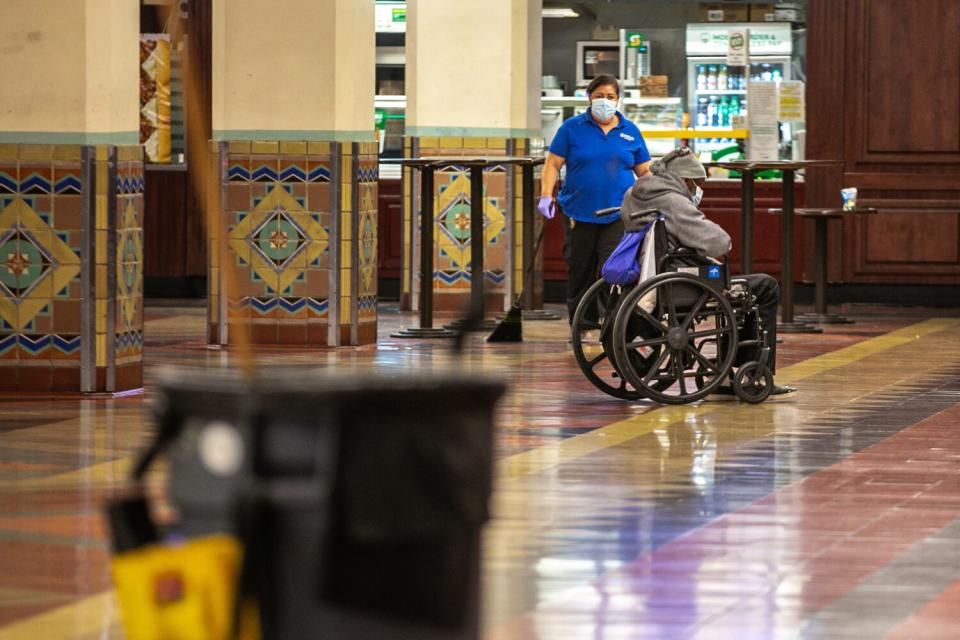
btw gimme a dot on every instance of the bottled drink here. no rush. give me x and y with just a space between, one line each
776 75
713 112
702 112
765 73
734 107
712 77
701 77
722 78
723 112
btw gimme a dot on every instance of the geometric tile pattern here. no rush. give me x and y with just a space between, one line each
278 239
451 261
453 221
367 219
34 264
71 267
129 266
299 263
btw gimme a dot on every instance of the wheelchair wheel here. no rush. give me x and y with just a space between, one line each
681 319
753 382
595 314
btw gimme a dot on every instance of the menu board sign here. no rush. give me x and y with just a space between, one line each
773 39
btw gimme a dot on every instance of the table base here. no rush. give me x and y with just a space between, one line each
538 314
483 325
418 332
797 327
824 318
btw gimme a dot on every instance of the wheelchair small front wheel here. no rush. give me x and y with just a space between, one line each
753 382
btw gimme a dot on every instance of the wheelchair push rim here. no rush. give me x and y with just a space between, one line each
687 320
604 299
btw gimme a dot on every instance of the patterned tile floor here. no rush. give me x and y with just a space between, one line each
834 513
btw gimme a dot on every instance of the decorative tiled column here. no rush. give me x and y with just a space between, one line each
293 244
71 197
300 273
488 104
71 276
452 239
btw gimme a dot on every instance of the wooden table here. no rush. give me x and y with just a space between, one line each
748 169
477 164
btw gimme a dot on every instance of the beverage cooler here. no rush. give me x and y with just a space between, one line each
716 92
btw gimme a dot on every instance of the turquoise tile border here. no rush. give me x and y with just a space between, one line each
298 134
69 137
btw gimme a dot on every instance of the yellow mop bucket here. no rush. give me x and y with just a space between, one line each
183 590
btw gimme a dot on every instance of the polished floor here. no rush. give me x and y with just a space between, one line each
832 513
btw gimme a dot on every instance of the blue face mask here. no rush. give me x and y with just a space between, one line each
697 196
603 109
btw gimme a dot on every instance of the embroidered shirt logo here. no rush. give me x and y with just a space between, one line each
627 137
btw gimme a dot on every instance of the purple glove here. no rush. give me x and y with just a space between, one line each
546 207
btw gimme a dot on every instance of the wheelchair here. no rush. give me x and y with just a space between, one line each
676 337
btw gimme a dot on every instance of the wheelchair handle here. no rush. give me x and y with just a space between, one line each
605 212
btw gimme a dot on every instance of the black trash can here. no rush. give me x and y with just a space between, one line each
360 501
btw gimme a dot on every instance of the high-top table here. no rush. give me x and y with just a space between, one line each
477 164
748 169
820 217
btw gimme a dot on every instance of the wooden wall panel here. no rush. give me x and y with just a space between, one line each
884 97
164 225
913 76
899 238
389 236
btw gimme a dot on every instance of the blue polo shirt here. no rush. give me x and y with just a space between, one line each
599 166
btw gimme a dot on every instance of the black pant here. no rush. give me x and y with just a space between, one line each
767 291
586 247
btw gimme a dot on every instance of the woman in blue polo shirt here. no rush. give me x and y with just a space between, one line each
604 153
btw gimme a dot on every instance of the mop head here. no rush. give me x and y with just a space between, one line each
510 328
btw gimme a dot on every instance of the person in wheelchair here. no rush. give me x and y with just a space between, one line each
674 187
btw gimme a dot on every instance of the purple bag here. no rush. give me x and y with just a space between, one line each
623 265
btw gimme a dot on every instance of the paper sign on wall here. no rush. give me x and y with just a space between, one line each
792 101
762 98
738 48
762 113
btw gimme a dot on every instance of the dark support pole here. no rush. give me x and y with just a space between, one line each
820 315
426 247
476 237
425 330
786 248
820 301
527 213
788 323
746 221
